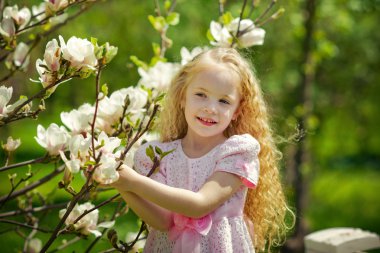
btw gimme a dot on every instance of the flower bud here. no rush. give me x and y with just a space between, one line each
11 144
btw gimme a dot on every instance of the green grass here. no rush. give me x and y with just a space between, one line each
345 198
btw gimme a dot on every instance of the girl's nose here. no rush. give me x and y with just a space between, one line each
210 108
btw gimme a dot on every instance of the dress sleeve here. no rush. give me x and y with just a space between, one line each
143 164
239 155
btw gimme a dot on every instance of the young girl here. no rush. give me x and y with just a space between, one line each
207 195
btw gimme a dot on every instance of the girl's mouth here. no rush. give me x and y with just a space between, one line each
206 121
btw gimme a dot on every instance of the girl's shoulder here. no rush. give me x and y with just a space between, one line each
240 144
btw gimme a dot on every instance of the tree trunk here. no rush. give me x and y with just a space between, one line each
301 155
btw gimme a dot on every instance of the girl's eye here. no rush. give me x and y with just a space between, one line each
224 101
202 95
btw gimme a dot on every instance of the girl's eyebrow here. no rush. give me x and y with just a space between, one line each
205 90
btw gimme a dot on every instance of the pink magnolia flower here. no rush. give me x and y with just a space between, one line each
52 55
7 27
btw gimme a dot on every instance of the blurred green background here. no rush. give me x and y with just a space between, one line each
340 168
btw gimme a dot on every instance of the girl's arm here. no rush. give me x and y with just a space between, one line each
148 211
219 188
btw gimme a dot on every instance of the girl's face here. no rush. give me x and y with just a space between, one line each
211 101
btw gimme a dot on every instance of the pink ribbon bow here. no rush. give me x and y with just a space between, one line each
187 232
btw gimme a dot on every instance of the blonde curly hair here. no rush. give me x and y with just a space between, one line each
266 204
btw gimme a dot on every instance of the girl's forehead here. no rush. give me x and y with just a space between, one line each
221 78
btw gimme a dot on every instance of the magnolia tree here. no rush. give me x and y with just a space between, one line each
92 141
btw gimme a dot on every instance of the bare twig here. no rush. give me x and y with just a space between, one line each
61 247
33 185
12 166
32 210
25 225
240 18
97 85
270 6
14 187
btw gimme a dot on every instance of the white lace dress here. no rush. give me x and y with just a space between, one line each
227 232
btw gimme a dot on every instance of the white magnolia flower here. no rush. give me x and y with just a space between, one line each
52 55
7 27
248 35
251 35
20 57
111 109
11 144
34 246
106 173
188 56
109 144
53 139
79 52
88 223
21 17
59 19
220 34
137 99
46 77
129 157
5 96
73 165
159 76
78 121
38 11
79 146
53 6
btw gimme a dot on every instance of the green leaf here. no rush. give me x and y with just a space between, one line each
173 18
156 49
166 153
111 52
159 97
209 35
138 62
94 41
167 5
226 18
149 152
158 150
105 89
158 23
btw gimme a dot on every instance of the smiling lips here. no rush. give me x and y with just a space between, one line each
206 121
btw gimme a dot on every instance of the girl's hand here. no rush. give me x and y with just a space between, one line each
126 177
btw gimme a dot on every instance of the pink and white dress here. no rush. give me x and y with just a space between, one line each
224 229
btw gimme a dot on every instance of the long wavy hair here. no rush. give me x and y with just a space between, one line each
265 205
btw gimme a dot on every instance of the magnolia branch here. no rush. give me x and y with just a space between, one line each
16 165
33 185
96 207
270 6
33 210
24 225
116 211
39 94
97 85
84 190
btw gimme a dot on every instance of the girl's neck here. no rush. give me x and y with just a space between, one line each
197 147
